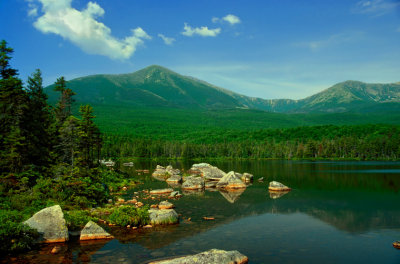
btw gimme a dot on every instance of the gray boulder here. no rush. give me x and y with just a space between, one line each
212 256
93 231
193 183
163 217
50 223
278 187
174 179
232 180
208 172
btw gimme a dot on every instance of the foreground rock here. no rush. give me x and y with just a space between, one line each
93 231
163 217
278 187
193 183
212 256
50 224
162 191
232 180
208 172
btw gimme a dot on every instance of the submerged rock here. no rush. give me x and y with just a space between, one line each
212 256
208 172
50 223
232 180
163 217
162 191
193 183
278 187
93 231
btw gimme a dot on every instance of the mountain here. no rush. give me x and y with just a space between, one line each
156 86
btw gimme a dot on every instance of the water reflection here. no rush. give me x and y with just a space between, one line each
232 196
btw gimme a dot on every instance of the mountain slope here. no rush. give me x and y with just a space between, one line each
151 86
156 86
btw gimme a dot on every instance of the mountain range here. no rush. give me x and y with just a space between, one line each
156 86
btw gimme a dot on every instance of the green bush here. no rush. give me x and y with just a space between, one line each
15 236
77 219
129 215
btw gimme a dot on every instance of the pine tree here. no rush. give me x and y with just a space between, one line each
64 105
13 101
87 135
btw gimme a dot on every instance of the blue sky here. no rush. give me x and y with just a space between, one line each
268 49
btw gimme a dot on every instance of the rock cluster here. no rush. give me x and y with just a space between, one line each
212 256
163 173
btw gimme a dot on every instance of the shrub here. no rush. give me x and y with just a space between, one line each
129 215
77 219
15 236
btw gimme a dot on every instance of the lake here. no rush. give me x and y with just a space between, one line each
337 212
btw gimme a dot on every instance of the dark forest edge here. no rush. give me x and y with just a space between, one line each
47 156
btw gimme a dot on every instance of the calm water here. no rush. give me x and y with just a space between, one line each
337 212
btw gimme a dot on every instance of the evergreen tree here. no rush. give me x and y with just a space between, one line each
12 108
87 135
63 108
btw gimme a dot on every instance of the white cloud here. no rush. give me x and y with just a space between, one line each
376 7
167 40
32 8
231 19
201 31
82 29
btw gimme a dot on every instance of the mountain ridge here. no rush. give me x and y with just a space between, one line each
157 86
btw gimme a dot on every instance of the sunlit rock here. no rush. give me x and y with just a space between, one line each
163 217
212 256
162 191
93 231
247 177
232 180
50 224
165 205
208 172
277 186
193 183
174 179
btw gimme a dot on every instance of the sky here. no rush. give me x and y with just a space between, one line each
268 49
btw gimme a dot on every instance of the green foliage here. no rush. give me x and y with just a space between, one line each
77 219
15 236
129 215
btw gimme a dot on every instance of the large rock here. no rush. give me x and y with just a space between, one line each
232 180
50 223
278 187
165 205
193 183
93 231
208 172
163 217
212 256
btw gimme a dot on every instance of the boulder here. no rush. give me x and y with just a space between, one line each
212 256
247 177
163 217
50 223
93 231
278 187
232 180
396 244
161 172
162 191
208 172
174 179
171 171
193 183
211 184
165 205
175 194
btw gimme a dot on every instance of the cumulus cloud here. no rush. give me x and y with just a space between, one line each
167 40
201 31
82 29
376 7
231 19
